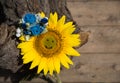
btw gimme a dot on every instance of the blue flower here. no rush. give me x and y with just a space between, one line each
36 29
44 20
29 18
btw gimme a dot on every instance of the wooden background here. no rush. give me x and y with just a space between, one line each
100 56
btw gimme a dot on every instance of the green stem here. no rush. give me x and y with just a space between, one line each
58 80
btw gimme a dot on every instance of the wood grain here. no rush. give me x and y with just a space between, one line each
99 60
88 0
93 68
102 39
95 12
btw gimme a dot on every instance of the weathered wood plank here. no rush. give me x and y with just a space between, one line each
102 39
93 68
88 0
95 12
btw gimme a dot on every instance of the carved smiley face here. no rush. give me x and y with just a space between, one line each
50 42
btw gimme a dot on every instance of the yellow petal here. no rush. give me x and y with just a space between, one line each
71 51
45 69
63 61
24 45
76 40
51 65
67 59
60 24
41 65
25 61
55 18
62 20
57 64
42 14
51 22
35 62
28 57
68 24
26 50
68 31
22 38
72 40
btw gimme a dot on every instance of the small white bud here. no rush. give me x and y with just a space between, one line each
28 24
18 30
22 20
27 37
45 30
38 18
18 35
46 24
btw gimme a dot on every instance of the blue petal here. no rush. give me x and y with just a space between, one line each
36 30
44 20
29 18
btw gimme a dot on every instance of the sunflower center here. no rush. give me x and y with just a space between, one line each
49 43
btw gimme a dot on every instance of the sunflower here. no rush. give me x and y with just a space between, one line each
52 49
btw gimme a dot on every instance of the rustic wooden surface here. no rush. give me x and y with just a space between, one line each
100 57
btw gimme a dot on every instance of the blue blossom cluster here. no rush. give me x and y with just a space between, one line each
32 25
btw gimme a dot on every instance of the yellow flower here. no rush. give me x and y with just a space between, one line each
52 49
